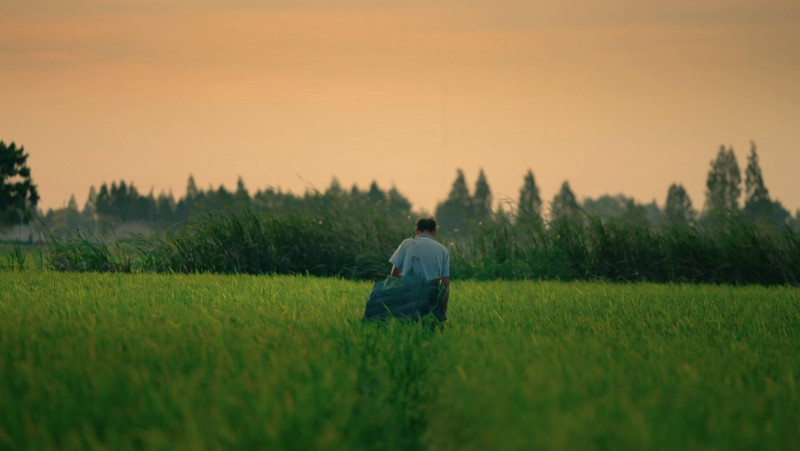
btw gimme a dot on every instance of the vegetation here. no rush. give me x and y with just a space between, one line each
356 244
349 233
122 203
208 361
18 194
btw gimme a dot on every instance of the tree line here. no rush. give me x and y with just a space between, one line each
121 202
462 211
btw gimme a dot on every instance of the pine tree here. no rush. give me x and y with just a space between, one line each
72 205
459 193
398 204
529 206
375 195
723 185
192 192
90 207
455 212
103 202
757 205
165 208
565 205
482 199
755 191
334 189
678 207
242 196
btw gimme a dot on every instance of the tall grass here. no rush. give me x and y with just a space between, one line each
356 243
733 252
326 242
16 258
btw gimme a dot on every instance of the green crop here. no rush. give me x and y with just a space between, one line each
124 361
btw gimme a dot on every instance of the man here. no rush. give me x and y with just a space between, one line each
426 256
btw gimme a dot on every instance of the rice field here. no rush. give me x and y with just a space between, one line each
145 361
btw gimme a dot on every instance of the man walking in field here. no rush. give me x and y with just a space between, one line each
426 256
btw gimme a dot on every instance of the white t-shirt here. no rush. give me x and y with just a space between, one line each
434 259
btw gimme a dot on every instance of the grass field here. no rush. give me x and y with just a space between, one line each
115 361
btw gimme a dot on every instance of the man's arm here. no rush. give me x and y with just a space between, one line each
396 272
446 281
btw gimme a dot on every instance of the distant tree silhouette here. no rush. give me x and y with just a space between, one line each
165 208
529 206
375 195
482 199
192 192
242 196
620 206
758 207
334 189
565 205
90 207
754 190
398 204
678 207
18 193
455 212
723 185
607 206
187 205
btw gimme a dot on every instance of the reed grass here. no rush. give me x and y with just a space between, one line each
356 244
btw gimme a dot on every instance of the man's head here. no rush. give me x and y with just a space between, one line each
426 226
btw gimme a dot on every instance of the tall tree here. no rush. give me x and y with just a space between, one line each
72 205
453 214
723 185
482 199
564 205
754 189
459 193
758 207
679 206
90 207
103 201
375 195
398 203
192 192
18 193
335 189
529 206
242 196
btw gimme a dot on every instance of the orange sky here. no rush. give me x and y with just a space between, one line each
614 96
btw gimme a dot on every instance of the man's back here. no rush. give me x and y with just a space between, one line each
434 259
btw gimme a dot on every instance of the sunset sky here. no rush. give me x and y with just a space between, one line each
614 96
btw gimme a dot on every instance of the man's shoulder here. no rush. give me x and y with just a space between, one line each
406 242
437 245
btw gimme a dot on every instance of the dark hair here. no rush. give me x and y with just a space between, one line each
426 224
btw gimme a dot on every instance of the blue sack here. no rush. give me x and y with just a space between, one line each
410 296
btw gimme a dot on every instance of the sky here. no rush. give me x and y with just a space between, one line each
615 96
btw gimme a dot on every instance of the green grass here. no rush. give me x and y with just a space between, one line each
121 361
21 255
